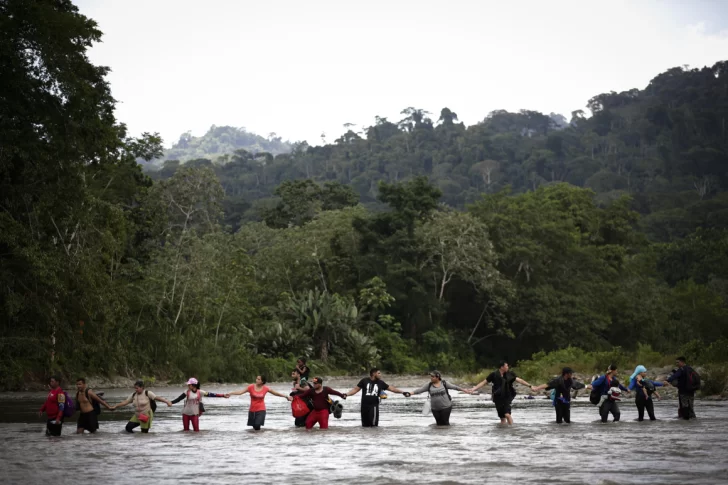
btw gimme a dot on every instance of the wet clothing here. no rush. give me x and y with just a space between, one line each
439 397
686 406
256 419
644 403
53 427
609 407
88 421
369 416
442 416
193 419
320 416
257 398
641 406
686 397
503 408
136 422
321 399
562 396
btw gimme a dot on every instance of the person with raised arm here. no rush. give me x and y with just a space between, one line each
372 388
440 400
193 407
257 391
145 403
561 393
321 403
502 394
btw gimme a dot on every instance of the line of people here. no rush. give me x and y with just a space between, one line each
312 402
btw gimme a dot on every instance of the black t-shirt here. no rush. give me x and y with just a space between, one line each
502 385
370 391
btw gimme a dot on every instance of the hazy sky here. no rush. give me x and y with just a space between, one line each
300 68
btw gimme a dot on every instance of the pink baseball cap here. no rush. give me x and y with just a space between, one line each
192 381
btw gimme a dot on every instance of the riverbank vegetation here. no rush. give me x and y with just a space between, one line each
410 245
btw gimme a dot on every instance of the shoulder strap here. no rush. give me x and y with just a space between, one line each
444 384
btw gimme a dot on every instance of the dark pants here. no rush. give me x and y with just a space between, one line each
130 427
301 422
370 416
53 429
563 412
686 406
643 404
442 417
607 407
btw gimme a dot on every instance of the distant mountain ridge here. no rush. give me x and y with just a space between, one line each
223 140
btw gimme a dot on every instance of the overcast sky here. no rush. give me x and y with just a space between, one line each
300 68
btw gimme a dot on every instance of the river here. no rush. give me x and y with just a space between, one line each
406 448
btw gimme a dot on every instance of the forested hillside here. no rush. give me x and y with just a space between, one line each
416 244
220 142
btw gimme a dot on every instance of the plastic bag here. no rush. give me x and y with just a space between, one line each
426 407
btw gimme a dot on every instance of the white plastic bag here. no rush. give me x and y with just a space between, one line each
426 407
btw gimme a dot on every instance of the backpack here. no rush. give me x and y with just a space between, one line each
70 407
595 396
649 386
152 402
692 380
444 384
299 408
95 404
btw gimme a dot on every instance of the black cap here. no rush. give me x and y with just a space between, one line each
317 380
436 373
566 370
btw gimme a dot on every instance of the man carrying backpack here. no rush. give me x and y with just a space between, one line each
687 381
53 408
89 405
144 405
561 393
608 387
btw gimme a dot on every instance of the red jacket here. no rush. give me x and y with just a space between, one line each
56 401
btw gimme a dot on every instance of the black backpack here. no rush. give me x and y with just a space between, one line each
94 403
692 379
152 402
595 396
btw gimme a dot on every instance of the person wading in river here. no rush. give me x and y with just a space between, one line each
88 419
53 408
193 404
604 385
687 383
561 399
503 392
298 388
644 388
321 403
257 391
371 388
440 400
144 404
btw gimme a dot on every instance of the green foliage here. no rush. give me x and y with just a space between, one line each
607 233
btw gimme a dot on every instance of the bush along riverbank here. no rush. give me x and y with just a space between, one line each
711 362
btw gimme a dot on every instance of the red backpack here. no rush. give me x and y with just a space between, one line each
299 407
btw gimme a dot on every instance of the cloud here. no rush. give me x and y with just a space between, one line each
303 68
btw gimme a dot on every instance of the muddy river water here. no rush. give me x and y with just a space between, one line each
406 448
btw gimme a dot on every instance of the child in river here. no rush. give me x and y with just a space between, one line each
193 404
